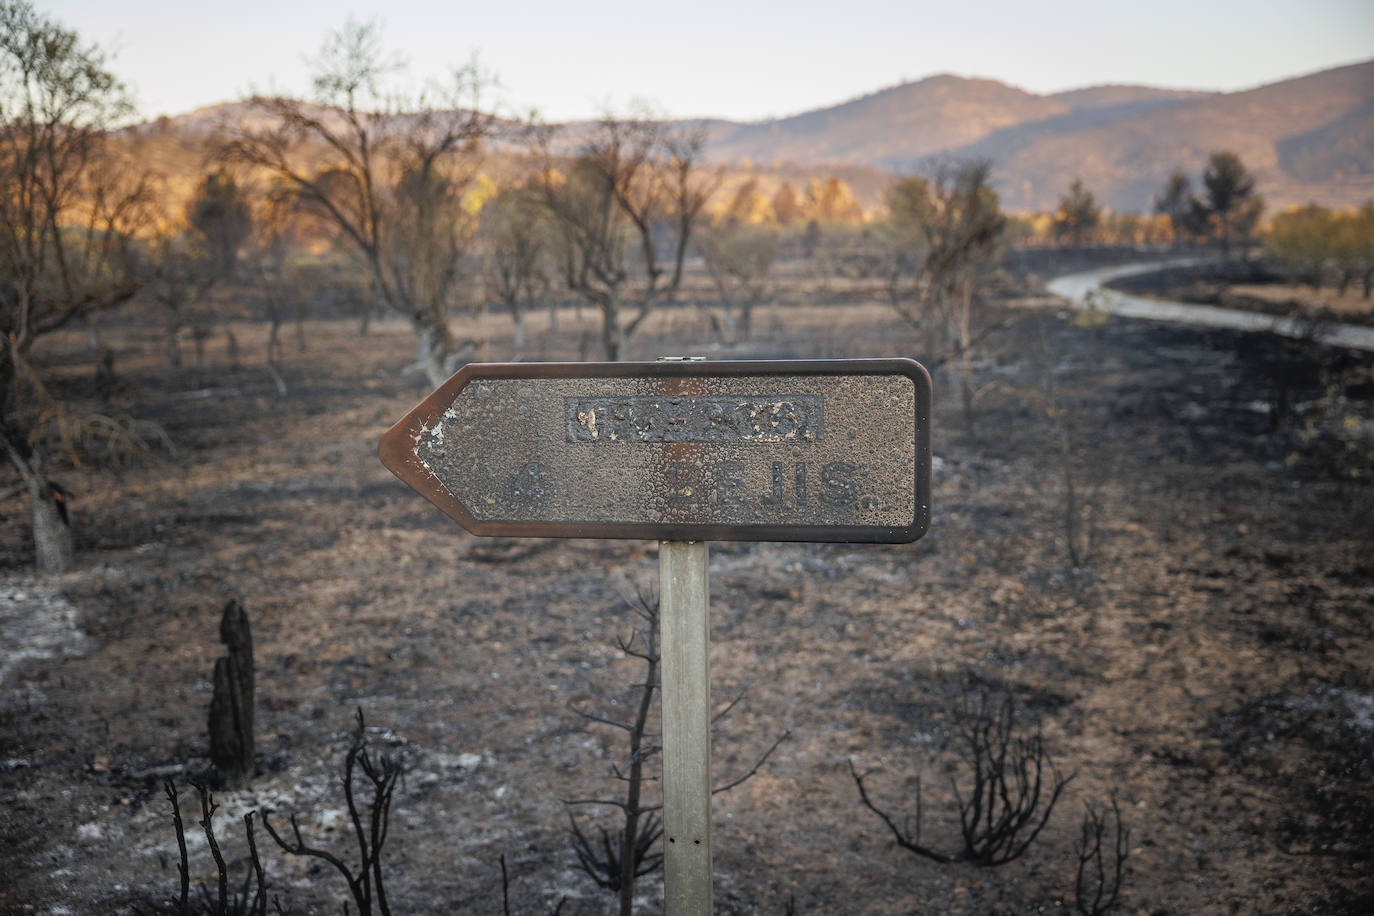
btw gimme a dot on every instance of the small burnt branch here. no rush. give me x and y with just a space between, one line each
183 863
505 893
1101 872
366 884
1014 791
259 904
219 902
231 707
753 770
207 815
908 836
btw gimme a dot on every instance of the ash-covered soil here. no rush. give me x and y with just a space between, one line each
1208 660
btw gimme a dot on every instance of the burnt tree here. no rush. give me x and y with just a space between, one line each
231 707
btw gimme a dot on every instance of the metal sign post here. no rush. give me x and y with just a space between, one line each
684 635
683 452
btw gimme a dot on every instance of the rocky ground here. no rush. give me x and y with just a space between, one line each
1190 635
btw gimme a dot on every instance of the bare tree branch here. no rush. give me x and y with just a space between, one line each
755 768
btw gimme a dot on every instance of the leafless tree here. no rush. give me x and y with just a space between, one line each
956 226
632 180
617 859
739 259
393 171
68 212
268 258
179 274
515 245
690 186
627 855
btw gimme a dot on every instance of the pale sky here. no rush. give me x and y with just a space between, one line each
738 59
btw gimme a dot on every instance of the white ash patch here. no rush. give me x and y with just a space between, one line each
90 832
36 622
1361 709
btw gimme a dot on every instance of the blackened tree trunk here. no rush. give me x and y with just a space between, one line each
231 707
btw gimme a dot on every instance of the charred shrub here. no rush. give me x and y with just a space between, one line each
1012 790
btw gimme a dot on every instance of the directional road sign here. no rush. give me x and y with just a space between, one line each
792 450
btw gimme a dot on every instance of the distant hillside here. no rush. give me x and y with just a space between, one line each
1307 138
1304 139
889 127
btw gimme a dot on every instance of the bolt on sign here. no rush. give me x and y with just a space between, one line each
795 450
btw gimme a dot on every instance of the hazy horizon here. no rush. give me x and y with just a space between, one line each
731 61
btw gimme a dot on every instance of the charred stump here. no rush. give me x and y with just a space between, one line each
231 707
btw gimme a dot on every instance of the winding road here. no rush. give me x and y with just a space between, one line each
1077 287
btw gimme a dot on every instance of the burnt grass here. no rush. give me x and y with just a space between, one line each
1207 661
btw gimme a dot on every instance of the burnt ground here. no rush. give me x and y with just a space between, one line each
1207 661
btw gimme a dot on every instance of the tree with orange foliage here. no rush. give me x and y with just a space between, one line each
748 207
832 201
1078 214
787 205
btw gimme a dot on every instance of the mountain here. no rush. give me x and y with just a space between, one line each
1304 139
1307 138
889 127
1310 138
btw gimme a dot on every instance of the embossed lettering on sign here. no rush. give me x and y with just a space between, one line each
773 418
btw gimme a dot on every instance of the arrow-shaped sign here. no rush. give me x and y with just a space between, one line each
796 450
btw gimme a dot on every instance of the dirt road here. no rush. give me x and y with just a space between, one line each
1090 287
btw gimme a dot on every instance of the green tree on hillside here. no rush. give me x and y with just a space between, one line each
1312 241
1230 196
747 206
1187 215
1353 247
219 212
1078 213
739 257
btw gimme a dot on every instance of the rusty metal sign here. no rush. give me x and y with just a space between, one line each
794 450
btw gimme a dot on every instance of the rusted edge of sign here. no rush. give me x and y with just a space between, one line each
396 450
